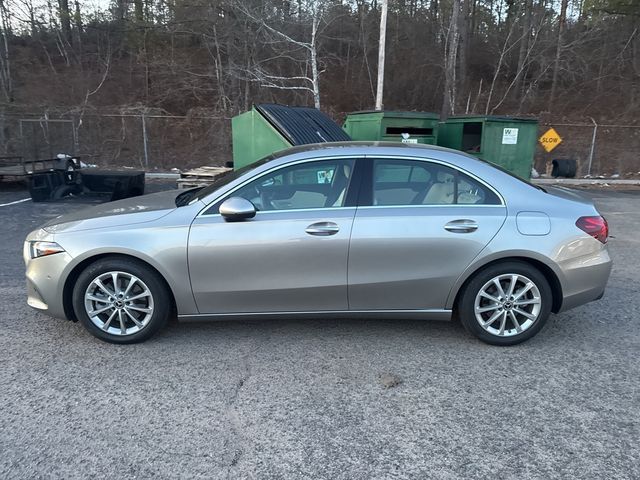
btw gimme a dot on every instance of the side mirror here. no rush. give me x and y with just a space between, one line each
235 209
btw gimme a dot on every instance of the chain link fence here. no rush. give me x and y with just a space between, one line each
155 141
160 142
597 149
146 141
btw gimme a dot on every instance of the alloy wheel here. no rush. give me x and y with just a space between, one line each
508 305
118 303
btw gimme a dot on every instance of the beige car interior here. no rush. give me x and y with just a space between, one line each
440 193
310 199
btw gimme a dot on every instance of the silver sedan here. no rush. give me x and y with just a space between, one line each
367 230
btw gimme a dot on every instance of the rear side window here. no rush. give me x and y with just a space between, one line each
415 182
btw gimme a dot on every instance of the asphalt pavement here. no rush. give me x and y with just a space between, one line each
337 399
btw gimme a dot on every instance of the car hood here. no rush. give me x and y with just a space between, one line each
141 209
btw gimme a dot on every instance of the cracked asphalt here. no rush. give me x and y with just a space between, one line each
318 399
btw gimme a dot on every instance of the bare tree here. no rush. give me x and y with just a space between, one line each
222 55
65 19
120 10
287 47
450 53
138 10
465 20
77 21
524 46
5 62
524 59
556 65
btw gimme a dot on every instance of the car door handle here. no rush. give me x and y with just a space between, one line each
461 226
322 229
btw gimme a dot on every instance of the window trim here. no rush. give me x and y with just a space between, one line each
365 199
350 197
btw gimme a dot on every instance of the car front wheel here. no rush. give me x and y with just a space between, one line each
506 303
121 300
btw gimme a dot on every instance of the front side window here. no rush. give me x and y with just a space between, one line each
414 182
319 184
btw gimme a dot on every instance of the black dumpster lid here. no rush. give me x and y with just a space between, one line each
302 125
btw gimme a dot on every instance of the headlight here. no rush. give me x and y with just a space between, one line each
42 249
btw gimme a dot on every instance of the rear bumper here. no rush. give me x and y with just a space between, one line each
585 279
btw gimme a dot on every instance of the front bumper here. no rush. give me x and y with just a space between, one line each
45 281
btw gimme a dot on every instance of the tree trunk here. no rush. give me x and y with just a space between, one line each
32 19
5 63
464 46
451 50
556 66
219 73
314 62
65 19
473 20
138 10
120 10
512 12
77 20
524 47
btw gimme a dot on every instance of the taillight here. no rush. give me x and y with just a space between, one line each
597 227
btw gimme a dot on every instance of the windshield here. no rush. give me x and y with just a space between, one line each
221 181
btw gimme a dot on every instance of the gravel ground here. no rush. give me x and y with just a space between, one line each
321 399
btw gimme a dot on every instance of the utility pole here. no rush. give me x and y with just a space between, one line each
383 38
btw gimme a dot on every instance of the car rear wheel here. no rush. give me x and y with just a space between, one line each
121 300
505 303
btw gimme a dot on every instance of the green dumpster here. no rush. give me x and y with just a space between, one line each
267 128
253 138
506 141
406 127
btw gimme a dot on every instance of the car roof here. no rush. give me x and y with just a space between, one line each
363 147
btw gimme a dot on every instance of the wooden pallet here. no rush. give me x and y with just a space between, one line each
201 176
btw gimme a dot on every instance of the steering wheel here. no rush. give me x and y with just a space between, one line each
265 199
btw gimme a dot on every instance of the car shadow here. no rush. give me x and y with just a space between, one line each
309 328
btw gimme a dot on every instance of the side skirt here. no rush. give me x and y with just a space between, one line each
361 314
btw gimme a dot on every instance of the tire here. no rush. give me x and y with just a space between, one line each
144 310
499 315
65 190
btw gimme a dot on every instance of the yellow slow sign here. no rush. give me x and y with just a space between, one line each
550 140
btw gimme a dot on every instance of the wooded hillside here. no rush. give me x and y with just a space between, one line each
578 57
562 59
